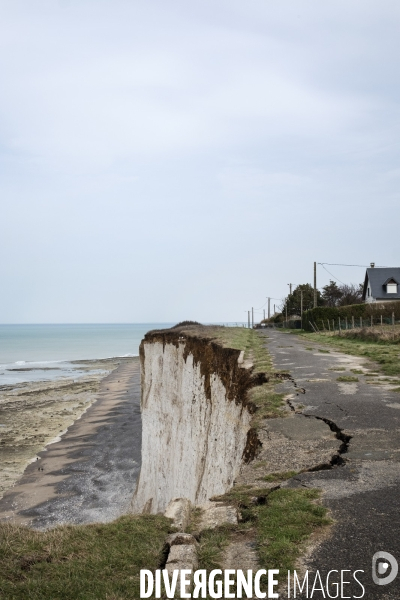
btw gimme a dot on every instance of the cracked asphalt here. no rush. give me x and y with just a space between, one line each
362 492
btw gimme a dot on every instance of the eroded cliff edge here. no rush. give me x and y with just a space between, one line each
195 417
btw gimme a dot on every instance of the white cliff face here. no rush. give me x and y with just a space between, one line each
192 444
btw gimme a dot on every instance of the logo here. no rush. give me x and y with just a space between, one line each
384 568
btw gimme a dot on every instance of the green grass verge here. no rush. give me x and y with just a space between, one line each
347 378
90 562
385 354
285 523
282 526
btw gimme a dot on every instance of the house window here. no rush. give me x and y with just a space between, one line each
391 288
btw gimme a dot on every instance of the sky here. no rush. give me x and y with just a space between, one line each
173 159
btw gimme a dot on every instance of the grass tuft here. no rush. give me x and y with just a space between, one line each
347 378
285 522
88 562
278 476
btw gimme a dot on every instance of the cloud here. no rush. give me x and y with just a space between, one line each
180 132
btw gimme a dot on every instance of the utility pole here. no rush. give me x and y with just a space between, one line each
264 314
315 285
286 312
252 317
269 308
290 287
248 319
301 307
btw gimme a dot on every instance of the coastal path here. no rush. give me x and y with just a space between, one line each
361 488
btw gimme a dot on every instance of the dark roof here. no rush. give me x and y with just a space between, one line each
378 278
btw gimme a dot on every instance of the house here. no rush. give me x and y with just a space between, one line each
381 284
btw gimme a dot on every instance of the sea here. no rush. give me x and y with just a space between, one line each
30 353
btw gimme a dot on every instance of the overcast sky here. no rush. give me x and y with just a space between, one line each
164 160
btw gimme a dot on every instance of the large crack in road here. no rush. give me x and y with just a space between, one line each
361 480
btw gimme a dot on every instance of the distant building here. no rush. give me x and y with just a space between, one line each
381 284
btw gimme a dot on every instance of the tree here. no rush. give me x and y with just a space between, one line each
351 294
293 301
332 294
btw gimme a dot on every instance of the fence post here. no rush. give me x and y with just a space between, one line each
312 327
381 321
333 324
346 322
393 319
339 326
352 321
329 325
372 321
360 321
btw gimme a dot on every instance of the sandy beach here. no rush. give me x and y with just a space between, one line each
48 426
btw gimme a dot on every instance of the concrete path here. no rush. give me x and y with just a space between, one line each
90 474
362 490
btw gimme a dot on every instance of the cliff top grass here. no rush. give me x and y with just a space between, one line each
269 404
88 562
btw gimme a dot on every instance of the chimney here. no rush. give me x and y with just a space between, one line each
372 265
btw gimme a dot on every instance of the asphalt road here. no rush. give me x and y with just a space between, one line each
363 492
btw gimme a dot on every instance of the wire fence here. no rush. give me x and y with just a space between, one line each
338 324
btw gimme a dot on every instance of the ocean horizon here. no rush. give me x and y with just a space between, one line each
47 350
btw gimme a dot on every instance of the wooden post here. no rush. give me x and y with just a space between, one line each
393 319
333 324
248 319
315 285
381 321
286 312
269 308
339 326
315 331
352 322
372 321
360 321
329 325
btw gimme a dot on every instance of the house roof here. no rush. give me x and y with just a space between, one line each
378 278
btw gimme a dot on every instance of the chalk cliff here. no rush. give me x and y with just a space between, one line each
195 418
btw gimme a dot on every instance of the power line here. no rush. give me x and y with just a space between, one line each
363 266
322 265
